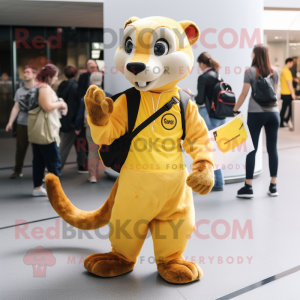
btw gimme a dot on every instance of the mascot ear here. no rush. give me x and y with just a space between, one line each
131 20
191 30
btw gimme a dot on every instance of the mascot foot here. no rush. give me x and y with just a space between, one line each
179 271
107 264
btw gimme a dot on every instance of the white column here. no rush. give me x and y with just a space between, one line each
229 31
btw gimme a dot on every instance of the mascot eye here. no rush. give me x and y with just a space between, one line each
161 47
128 46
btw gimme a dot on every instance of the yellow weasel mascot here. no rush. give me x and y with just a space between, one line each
154 189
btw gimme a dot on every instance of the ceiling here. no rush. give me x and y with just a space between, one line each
51 13
281 20
89 13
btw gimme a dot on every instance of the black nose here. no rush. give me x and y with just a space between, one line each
136 68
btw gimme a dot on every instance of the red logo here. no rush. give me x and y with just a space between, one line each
39 258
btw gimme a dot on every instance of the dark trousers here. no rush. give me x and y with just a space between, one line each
68 139
22 145
286 103
270 120
81 144
45 156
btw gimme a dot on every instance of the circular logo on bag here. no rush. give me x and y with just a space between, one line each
168 121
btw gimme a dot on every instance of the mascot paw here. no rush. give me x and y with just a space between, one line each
107 264
201 180
98 106
179 271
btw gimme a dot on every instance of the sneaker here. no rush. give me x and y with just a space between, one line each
16 175
82 170
39 193
92 180
273 190
245 192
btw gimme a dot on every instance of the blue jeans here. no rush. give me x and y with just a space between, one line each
213 123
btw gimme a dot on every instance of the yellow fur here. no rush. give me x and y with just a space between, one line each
149 193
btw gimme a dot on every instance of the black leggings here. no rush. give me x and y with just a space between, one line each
270 120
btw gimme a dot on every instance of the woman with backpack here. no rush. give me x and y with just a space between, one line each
262 112
47 155
206 84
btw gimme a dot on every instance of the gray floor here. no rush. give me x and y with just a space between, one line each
275 246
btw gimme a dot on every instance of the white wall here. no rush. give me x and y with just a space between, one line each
234 14
277 51
282 3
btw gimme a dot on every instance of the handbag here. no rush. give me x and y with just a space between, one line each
43 127
39 127
231 135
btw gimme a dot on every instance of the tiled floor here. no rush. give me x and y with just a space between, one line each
229 264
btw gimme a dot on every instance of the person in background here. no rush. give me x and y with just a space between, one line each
47 155
94 162
206 84
68 90
22 136
4 77
296 81
294 74
6 83
83 85
258 117
84 78
287 92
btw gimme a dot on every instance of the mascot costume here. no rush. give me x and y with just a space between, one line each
154 189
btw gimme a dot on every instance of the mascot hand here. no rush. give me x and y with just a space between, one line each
201 180
98 107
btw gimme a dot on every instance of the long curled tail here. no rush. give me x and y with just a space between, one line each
81 219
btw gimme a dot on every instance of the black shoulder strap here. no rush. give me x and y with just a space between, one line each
163 109
133 97
133 108
184 99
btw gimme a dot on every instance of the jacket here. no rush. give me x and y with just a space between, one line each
205 87
83 84
68 90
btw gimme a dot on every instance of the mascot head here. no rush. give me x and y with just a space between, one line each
156 52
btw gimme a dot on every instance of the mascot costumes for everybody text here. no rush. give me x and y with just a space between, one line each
154 189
